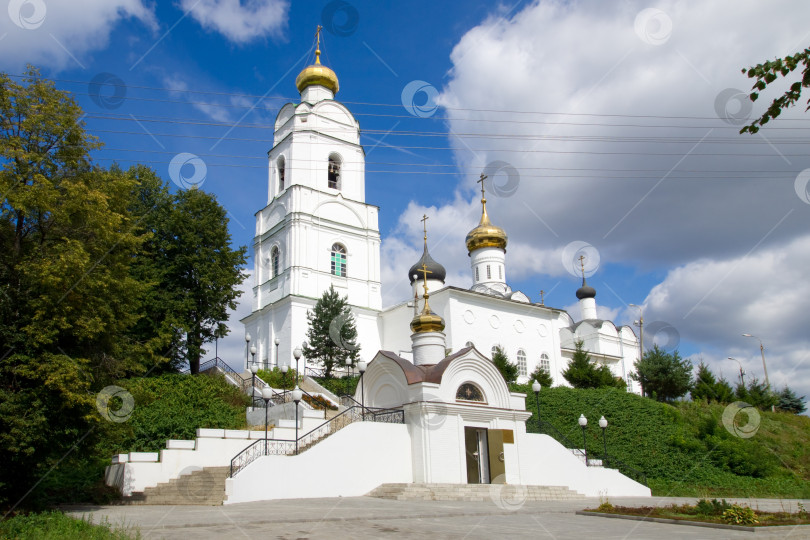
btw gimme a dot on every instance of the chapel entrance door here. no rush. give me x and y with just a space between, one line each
476 447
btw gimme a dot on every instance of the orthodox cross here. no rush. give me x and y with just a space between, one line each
582 264
424 225
425 272
481 181
542 301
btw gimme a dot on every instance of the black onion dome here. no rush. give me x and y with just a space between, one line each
586 291
435 270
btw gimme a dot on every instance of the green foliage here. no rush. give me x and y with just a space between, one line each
757 394
173 406
790 402
344 386
663 376
332 335
582 373
58 526
542 376
508 370
684 449
708 388
277 379
714 507
740 515
767 73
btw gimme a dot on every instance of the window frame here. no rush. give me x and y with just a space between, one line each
338 255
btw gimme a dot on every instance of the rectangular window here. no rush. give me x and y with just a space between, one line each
489 274
500 272
477 277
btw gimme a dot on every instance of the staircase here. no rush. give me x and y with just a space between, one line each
472 492
204 487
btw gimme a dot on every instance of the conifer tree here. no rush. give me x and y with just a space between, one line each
542 376
705 384
332 334
663 376
790 402
507 368
582 373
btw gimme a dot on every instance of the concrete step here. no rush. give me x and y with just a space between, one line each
471 492
203 487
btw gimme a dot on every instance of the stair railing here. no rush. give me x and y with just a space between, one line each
285 447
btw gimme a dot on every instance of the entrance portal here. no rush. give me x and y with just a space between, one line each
485 458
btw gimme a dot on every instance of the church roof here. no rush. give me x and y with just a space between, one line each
424 373
435 270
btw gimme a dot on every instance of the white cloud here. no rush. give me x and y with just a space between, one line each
240 21
66 31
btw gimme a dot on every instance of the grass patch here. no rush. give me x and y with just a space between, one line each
58 526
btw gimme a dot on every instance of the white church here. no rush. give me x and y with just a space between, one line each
317 231
432 417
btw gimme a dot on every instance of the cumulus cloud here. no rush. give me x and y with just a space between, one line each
239 21
627 139
58 34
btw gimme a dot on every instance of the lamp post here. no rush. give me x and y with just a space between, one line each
582 423
742 372
267 394
247 346
603 423
348 366
536 388
253 369
276 341
362 367
297 356
296 395
253 354
764 367
284 369
640 324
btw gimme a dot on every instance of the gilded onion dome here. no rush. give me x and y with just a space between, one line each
317 74
486 234
427 321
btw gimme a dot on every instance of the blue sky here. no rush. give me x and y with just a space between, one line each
619 121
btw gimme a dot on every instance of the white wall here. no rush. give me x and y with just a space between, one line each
544 461
334 467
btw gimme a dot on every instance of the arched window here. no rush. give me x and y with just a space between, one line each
338 260
495 349
334 171
274 262
469 392
521 362
544 363
281 172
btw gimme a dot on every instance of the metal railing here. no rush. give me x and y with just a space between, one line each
218 363
557 434
624 468
283 447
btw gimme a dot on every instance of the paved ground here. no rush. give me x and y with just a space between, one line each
365 517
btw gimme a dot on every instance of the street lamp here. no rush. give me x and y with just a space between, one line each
267 395
297 394
762 351
247 346
253 353
284 369
348 366
640 324
536 388
603 423
582 423
742 372
276 341
362 367
297 356
253 369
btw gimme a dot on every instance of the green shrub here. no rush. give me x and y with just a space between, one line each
740 515
340 387
277 378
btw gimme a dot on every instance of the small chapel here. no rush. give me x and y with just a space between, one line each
432 417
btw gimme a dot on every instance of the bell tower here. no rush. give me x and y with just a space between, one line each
316 230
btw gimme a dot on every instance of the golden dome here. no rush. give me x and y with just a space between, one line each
317 74
486 234
427 321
